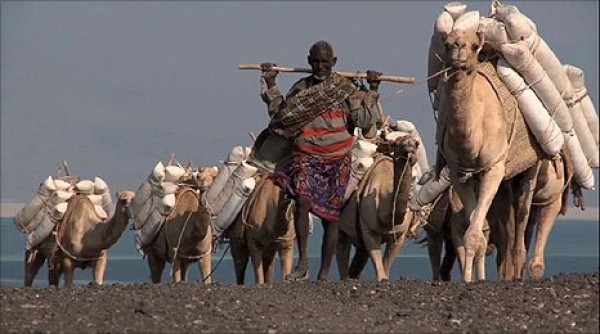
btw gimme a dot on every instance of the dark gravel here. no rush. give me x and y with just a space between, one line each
565 303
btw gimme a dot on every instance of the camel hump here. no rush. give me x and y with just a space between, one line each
186 199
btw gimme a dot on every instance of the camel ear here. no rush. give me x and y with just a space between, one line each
481 37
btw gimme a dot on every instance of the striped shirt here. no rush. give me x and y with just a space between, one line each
330 133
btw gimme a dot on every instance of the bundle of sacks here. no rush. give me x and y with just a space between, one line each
230 189
154 200
552 96
38 218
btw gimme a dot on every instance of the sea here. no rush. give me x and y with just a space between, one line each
573 248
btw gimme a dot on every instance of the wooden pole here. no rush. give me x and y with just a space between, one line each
354 75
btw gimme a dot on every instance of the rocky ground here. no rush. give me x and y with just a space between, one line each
565 303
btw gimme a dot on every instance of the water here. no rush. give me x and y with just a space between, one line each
573 247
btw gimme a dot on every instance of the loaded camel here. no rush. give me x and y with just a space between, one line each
376 214
81 240
186 235
476 145
264 227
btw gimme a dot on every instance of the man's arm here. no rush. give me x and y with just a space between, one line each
364 109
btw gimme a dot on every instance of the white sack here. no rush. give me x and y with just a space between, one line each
437 50
580 94
233 205
541 124
28 212
40 234
430 190
150 229
455 9
468 22
357 171
173 173
101 188
85 187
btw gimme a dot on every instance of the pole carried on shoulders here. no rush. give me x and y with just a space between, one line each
353 75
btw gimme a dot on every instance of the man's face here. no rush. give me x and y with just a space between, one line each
321 62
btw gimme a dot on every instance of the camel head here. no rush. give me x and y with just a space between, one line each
406 146
462 49
125 197
205 177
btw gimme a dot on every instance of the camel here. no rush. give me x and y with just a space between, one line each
550 193
475 143
376 214
264 227
81 240
185 236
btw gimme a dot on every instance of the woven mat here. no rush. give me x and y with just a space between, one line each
524 151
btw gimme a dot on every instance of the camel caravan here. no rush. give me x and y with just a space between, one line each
516 131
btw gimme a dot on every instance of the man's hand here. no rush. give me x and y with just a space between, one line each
373 80
269 74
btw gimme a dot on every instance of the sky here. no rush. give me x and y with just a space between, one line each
113 87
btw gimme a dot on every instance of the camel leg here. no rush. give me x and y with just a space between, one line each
328 246
176 276
269 262
286 256
524 198
68 269
34 259
392 249
184 266
434 250
205 266
342 255
503 230
448 261
100 268
488 185
547 217
359 261
240 255
157 266
257 262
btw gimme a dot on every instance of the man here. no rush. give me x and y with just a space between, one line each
319 114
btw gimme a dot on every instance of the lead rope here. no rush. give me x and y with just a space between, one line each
396 192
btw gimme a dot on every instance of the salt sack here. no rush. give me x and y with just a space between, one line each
101 188
468 22
521 59
40 234
410 128
521 28
85 187
29 211
143 201
580 95
150 229
173 173
455 9
211 197
363 149
541 124
233 205
430 190
357 171
242 172
437 50
36 221
494 33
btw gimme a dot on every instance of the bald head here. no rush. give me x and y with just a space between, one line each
323 46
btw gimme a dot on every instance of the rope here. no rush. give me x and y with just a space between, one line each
397 190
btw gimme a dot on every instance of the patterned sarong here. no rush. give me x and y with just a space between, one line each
320 181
